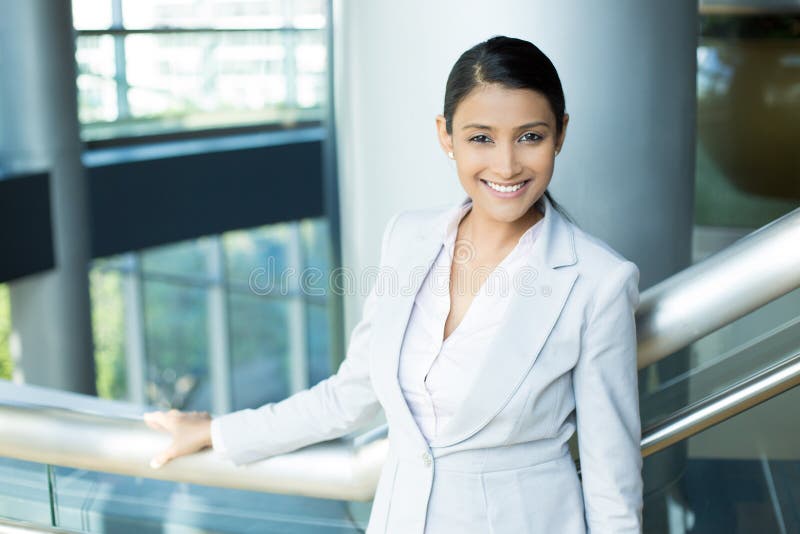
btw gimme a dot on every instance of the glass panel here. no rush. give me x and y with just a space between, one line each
99 502
315 278
315 285
6 364
319 348
187 259
24 493
97 79
723 358
232 71
310 60
748 119
91 14
256 259
178 82
177 345
259 349
145 14
740 476
108 327
308 13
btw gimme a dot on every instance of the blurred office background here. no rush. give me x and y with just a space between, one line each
163 162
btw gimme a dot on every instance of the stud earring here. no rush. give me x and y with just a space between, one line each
450 154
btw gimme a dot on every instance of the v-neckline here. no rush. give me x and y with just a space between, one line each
483 283
478 295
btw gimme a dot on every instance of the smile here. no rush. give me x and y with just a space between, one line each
505 188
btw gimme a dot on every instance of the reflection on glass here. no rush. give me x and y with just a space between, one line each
740 476
23 492
748 119
89 501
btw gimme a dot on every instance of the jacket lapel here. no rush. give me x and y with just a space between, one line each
422 250
530 316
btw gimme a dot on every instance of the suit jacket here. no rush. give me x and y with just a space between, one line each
564 358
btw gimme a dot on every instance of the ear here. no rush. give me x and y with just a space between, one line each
445 139
563 136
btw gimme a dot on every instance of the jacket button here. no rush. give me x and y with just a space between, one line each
426 459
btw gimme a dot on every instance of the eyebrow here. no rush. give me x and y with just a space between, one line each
521 127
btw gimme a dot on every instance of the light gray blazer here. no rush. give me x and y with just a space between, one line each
564 357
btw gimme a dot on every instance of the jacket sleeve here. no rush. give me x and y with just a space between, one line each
607 407
333 407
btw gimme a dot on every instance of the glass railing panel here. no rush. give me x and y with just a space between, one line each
24 494
740 476
717 374
100 502
717 361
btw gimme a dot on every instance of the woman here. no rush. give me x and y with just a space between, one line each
482 382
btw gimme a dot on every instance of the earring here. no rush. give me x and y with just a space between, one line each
450 154
557 151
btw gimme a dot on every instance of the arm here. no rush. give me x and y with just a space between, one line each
607 406
331 408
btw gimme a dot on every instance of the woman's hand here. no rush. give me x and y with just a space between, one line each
191 432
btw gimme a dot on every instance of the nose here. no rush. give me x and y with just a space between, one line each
506 164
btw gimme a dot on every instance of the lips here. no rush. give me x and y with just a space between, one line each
505 188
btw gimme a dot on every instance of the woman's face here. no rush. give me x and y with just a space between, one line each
504 144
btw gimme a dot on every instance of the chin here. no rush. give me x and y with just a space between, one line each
509 212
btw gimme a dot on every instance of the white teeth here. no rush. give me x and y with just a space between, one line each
504 188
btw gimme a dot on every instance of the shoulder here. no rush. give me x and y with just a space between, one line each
602 267
411 222
595 253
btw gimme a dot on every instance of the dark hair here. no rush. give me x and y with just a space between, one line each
513 63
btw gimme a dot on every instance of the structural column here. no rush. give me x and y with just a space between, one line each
51 322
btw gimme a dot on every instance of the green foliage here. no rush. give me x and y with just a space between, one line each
108 328
6 365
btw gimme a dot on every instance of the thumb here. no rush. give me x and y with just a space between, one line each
163 457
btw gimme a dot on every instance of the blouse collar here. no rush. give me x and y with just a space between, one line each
457 213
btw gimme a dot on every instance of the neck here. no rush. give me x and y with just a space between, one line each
490 236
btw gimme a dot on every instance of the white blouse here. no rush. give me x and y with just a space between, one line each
434 375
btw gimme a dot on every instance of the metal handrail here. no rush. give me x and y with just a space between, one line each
671 315
345 469
716 408
714 292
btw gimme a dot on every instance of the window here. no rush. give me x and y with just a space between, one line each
172 322
152 67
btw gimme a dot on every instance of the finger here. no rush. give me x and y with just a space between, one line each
159 460
155 420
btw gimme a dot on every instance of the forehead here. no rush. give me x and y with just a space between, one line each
497 105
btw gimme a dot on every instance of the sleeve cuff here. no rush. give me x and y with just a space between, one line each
217 441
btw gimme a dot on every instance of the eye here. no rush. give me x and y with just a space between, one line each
480 139
531 136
